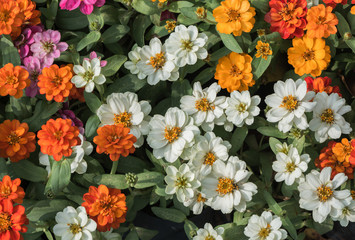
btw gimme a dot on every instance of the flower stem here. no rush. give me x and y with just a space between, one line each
114 167
48 234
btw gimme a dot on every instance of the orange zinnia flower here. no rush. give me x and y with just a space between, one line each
233 72
10 189
106 206
9 16
328 158
16 142
115 140
287 17
321 84
343 150
263 50
13 80
234 16
57 137
309 56
321 22
55 82
12 221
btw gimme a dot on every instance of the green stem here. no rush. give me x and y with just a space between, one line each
48 234
114 167
261 141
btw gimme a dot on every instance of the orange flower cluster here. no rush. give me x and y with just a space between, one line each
14 14
57 137
115 141
55 82
233 72
321 22
340 156
234 16
16 142
321 84
106 206
333 3
12 218
13 80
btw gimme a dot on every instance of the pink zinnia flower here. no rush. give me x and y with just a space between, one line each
86 6
94 55
25 40
34 68
47 46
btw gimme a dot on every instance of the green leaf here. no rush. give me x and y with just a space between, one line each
205 75
91 126
131 164
190 228
129 83
273 142
114 33
114 63
8 53
343 25
271 132
238 138
132 235
47 209
147 7
96 20
140 24
266 167
272 203
190 13
289 226
71 20
299 144
27 170
92 101
230 42
169 214
149 179
59 177
91 38
179 89
176 6
259 66
146 234
112 180
232 231
324 227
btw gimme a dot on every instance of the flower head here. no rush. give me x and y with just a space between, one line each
233 72
132 65
170 25
55 82
86 6
309 56
57 137
12 220
16 142
321 84
288 17
93 55
234 16
13 80
9 16
106 206
77 93
11 189
344 149
263 50
34 68
208 233
333 3
321 22
24 41
115 140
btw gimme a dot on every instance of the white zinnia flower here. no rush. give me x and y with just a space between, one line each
124 108
197 202
284 148
171 134
135 58
88 74
265 227
207 232
345 215
74 224
156 64
289 104
291 166
186 45
78 164
318 194
228 187
207 151
241 108
204 106
181 182
328 121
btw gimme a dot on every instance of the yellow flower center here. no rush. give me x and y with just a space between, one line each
170 26
5 191
286 13
123 118
204 105
5 222
58 134
242 107
75 228
201 12
11 80
327 116
181 182
235 71
57 80
324 193
320 20
4 16
88 76
233 15
308 55
47 46
226 185
171 134
200 198
210 158
186 45
289 102
13 138
264 232
290 167
209 237
158 61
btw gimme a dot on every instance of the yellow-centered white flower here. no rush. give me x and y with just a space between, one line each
208 233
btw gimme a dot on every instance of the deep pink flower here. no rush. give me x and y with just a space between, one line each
46 46
65 113
25 40
93 55
86 6
34 67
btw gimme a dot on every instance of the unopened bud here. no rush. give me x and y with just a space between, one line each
201 12
347 36
131 179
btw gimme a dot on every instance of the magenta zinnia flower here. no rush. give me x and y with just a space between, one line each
86 6
25 40
34 67
46 46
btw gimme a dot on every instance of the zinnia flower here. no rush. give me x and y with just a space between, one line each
234 16
106 206
321 22
10 189
263 50
86 6
13 80
333 3
34 67
77 93
344 149
309 56
16 142
233 72
93 55
24 41
65 113
55 82
321 84
9 16
28 14
288 17
115 141
57 137
12 221
207 233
